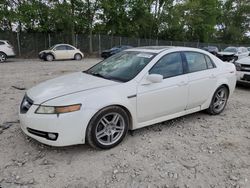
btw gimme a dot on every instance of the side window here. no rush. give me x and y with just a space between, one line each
62 47
196 61
2 43
70 48
168 66
210 64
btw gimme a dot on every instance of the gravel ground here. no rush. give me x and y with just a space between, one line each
197 150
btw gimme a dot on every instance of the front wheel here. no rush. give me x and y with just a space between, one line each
219 101
3 57
107 128
49 57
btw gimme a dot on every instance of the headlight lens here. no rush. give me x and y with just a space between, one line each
57 109
238 66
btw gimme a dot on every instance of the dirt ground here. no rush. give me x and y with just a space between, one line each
196 151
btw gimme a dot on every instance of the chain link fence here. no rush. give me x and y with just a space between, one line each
28 45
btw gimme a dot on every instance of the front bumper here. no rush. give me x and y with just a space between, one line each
241 78
69 127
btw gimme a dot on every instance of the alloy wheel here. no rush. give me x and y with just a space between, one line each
2 58
220 99
110 128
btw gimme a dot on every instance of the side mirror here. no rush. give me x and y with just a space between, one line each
155 78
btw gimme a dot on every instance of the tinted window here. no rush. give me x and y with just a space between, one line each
62 47
2 43
70 48
210 64
168 66
196 61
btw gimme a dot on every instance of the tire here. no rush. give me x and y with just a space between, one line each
219 101
49 57
3 57
107 128
78 57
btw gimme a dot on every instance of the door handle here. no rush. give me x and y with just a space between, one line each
182 83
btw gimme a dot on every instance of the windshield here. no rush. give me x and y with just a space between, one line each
231 49
123 66
51 48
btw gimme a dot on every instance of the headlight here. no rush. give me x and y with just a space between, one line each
57 109
238 66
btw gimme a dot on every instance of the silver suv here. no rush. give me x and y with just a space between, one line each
6 50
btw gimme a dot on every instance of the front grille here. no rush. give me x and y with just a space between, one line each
245 68
25 105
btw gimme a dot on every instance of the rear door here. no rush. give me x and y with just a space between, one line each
201 78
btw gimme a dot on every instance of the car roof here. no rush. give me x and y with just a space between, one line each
159 49
62 44
3 41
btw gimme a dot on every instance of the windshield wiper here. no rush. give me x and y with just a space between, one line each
105 77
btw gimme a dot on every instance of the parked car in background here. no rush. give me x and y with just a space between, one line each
107 53
130 90
212 49
231 54
6 50
61 52
243 70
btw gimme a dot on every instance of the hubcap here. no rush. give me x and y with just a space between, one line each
78 57
49 58
2 58
110 128
220 100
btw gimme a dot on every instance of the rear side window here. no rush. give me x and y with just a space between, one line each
168 66
210 64
62 47
2 43
196 61
70 48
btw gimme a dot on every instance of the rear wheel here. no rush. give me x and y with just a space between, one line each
3 57
49 57
78 57
107 128
219 101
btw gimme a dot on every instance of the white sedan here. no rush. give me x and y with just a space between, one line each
243 70
132 89
61 52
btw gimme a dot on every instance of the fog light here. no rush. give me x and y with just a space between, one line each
52 136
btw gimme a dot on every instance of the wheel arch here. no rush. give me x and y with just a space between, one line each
50 53
3 53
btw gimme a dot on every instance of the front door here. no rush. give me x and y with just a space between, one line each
168 97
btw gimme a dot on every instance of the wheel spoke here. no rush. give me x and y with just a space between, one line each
115 119
110 138
216 104
101 134
104 122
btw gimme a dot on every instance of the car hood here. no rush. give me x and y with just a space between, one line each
45 51
244 61
64 85
226 53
